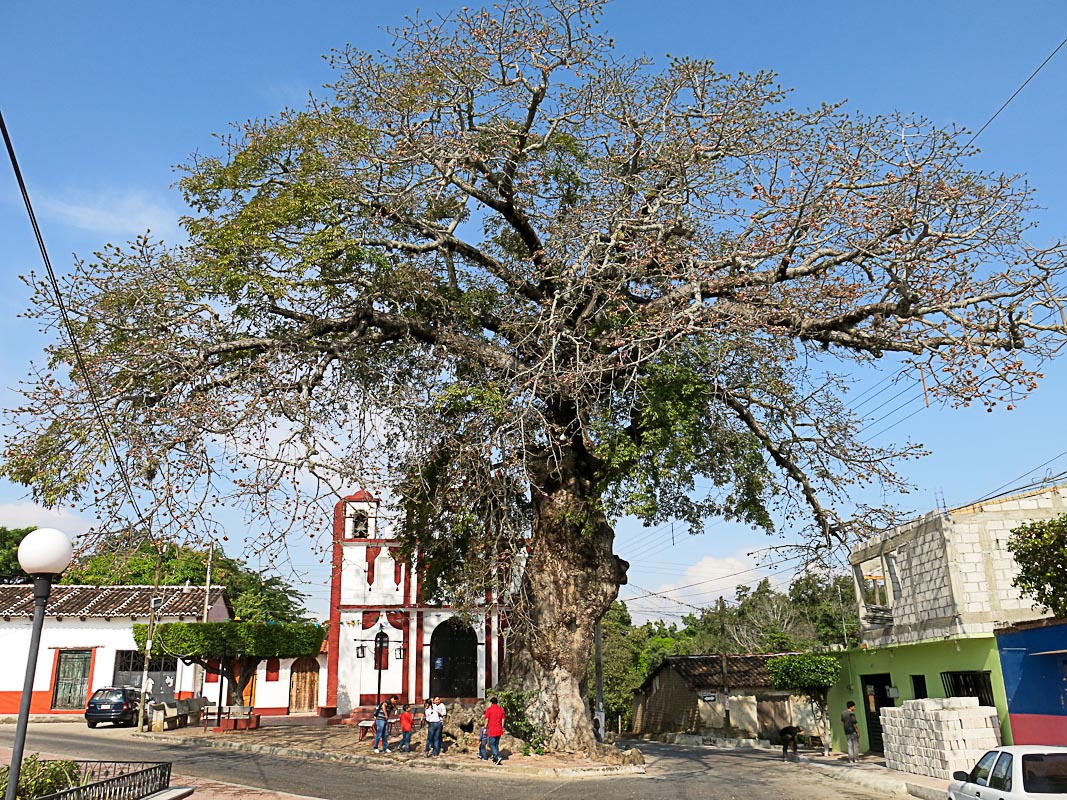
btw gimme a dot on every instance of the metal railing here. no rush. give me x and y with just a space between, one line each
117 780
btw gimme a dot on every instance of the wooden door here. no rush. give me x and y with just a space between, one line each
453 660
72 679
304 686
772 714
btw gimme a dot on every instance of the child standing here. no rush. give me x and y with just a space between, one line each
406 719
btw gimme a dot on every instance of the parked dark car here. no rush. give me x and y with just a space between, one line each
117 704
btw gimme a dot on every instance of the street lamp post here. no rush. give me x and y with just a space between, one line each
381 651
43 554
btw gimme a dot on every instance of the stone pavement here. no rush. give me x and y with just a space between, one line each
341 743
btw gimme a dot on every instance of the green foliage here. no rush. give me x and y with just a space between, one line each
10 571
253 597
1040 549
806 672
233 648
828 603
39 777
225 640
626 654
514 704
683 436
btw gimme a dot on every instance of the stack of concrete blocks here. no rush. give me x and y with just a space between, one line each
936 737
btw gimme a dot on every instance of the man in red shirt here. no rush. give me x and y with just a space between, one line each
494 723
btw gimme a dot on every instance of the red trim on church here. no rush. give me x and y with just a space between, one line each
334 634
402 607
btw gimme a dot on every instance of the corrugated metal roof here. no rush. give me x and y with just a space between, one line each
705 672
109 601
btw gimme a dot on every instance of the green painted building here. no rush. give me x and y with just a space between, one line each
876 677
930 593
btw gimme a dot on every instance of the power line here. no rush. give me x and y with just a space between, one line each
1015 93
67 326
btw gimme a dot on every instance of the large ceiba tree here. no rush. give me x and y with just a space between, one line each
522 285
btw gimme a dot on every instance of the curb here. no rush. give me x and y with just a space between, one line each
410 763
877 782
925 792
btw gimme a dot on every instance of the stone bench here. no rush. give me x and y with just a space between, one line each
177 714
237 718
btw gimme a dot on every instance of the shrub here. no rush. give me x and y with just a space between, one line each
514 704
41 777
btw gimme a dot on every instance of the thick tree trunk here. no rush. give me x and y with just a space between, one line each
570 579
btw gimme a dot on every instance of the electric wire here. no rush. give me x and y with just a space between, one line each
68 328
1016 93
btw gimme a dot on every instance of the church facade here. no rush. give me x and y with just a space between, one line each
384 638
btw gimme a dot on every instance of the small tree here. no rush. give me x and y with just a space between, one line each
233 649
1040 548
812 674
10 571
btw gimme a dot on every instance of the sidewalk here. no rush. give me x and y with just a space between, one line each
872 773
203 789
341 745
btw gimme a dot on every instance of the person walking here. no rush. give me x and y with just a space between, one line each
788 735
406 720
435 713
494 727
381 727
852 731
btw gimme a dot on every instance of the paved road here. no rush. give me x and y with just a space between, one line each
674 773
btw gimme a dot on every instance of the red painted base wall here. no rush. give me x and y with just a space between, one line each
1039 729
40 703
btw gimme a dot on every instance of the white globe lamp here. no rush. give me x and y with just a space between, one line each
45 551
43 554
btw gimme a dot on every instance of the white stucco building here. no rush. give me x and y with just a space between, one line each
87 643
376 596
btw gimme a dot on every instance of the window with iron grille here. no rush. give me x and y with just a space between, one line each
969 684
133 661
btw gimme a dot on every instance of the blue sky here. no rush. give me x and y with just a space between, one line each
103 99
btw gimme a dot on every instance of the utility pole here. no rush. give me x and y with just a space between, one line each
725 670
154 603
200 673
598 646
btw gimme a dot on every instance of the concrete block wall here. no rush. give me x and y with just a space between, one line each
951 574
926 599
936 737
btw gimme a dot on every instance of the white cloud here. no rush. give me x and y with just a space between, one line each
31 515
115 214
699 586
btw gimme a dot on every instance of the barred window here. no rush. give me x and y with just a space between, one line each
969 684
133 661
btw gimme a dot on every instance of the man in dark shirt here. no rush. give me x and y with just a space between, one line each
788 735
852 731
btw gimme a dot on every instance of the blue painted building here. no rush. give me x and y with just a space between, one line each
1033 659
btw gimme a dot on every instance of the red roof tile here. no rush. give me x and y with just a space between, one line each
108 601
705 672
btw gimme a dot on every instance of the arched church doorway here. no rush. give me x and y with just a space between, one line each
453 660
304 686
